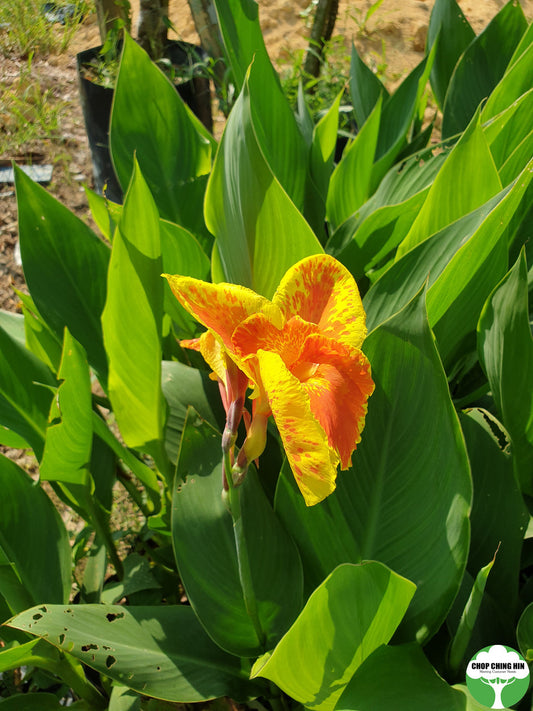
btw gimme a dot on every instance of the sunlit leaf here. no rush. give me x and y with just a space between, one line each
132 319
333 636
158 651
151 123
65 266
259 231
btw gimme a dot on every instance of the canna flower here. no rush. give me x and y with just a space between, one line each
300 353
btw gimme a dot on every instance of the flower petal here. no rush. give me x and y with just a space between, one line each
322 291
219 307
313 462
338 389
259 333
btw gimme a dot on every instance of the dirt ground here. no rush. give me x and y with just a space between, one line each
393 38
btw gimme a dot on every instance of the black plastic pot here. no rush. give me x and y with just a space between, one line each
96 102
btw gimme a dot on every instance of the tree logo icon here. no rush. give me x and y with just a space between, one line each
497 676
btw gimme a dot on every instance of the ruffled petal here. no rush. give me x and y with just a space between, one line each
313 462
259 333
338 387
322 291
219 307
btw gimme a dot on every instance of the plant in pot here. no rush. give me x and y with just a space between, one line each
186 65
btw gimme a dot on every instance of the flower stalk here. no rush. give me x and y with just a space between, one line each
243 558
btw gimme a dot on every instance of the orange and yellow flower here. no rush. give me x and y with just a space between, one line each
301 355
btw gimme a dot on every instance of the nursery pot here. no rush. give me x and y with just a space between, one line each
96 101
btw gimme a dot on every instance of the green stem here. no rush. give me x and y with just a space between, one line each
243 559
132 490
101 526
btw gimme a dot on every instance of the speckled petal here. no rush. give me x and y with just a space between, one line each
322 291
338 388
219 307
258 333
313 462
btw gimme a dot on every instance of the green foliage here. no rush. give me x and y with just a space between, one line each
421 556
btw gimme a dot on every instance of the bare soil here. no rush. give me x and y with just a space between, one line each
393 39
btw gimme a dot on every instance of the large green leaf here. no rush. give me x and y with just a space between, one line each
397 116
40 337
323 144
151 122
259 231
505 348
399 678
354 611
514 83
68 445
509 136
467 179
65 266
426 262
281 142
33 539
242 35
481 67
185 387
205 548
132 319
24 402
462 263
499 519
375 238
365 88
181 254
453 33
385 219
409 489
350 182
158 651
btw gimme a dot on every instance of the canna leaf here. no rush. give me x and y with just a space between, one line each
151 124
24 392
481 67
505 348
365 89
451 31
412 684
204 545
132 320
350 182
158 651
65 265
68 445
467 179
332 637
244 203
34 543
